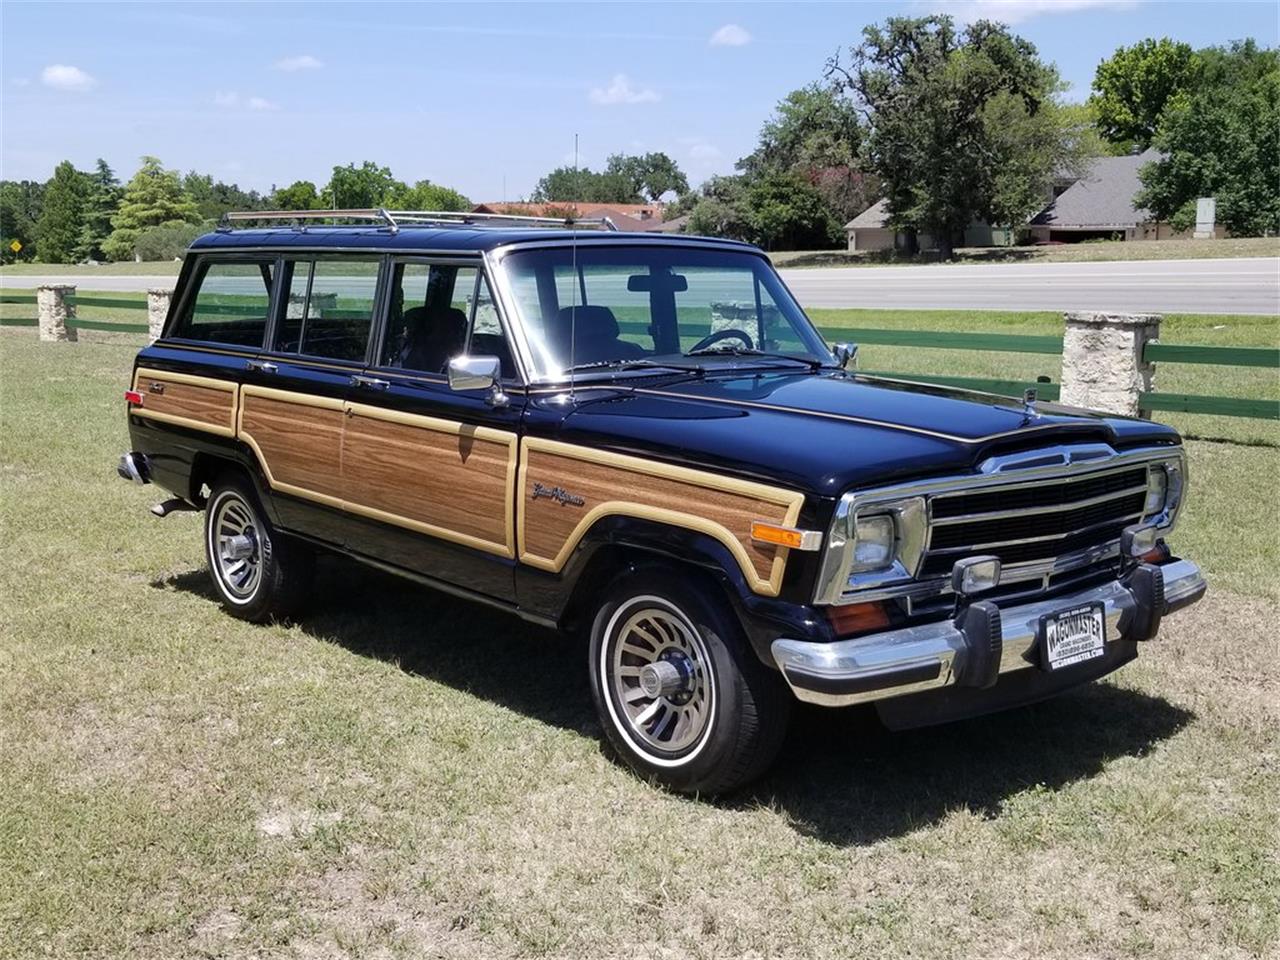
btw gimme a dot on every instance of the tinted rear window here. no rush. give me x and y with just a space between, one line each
230 305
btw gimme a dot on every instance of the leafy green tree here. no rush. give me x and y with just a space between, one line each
100 206
154 196
721 210
20 202
1133 87
58 229
651 175
213 198
566 185
815 133
1221 140
930 93
786 212
358 188
168 241
425 195
299 195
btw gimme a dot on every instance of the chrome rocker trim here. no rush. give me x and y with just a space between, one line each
977 647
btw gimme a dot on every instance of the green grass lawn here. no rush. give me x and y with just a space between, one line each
402 775
1064 253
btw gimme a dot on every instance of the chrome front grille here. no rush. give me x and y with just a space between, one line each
1028 524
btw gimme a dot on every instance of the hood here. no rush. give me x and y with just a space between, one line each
825 433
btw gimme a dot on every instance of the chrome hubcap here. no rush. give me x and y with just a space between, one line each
661 681
238 550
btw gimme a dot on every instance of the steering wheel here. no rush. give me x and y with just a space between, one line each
721 335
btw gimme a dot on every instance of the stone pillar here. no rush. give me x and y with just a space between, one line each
157 309
1102 365
54 309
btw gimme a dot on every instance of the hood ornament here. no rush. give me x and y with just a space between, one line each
1029 403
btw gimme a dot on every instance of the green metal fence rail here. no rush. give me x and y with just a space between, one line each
1154 352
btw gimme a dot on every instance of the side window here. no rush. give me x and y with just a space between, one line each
435 311
231 303
329 308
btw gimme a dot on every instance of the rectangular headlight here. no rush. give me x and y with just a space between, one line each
873 543
1157 489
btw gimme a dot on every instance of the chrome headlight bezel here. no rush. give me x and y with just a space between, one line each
910 527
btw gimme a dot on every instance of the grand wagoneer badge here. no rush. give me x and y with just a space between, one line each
559 494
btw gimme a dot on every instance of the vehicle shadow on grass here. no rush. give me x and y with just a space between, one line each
842 778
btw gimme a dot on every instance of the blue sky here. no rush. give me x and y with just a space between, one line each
481 97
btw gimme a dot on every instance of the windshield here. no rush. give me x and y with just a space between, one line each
639 307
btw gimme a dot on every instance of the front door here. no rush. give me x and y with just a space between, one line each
429 473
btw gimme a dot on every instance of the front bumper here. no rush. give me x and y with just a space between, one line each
982 644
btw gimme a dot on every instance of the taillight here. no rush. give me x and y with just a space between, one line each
133 398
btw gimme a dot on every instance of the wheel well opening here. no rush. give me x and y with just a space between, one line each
205 469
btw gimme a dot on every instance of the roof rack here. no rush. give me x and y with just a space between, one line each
392 219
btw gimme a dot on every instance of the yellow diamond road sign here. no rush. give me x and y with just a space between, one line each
15 246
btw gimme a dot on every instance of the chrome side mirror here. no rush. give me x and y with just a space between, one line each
478 373
846 355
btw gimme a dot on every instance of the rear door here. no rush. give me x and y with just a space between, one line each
293 403
430 473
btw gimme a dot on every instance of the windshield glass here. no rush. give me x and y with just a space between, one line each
616 305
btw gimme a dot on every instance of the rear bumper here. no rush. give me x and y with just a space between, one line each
978 647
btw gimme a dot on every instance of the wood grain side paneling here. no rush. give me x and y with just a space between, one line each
613 484
204 403
439 477
298 439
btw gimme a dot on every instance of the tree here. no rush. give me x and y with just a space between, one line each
1132 89
786 212
153 197
299 195
100 206
567 185
651 175
815 133
1221 140
20 203
358 188
721 210
425 195
213 198
58 229
934 100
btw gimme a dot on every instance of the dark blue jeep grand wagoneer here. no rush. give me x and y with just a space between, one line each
642 438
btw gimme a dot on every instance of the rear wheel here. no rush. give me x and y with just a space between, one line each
259 574
682 699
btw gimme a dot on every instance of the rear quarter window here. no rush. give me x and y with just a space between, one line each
230 304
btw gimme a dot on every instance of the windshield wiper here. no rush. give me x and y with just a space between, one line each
635 365
810 362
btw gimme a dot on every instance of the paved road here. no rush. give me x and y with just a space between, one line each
1163 286
1167 286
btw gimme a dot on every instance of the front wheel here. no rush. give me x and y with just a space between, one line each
682 699
259 575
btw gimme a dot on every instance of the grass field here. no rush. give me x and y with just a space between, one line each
400 775
1064 253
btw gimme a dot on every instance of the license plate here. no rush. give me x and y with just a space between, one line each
1073 636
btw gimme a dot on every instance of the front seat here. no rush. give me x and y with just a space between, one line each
434 338
594 331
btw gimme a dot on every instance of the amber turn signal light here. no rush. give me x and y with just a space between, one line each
858 617
133 397
763 532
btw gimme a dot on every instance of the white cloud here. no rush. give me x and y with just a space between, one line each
231 99
60 76
620 90
302 62
1017 11
730 35
704 152
20 82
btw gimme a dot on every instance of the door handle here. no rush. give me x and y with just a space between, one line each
263 366
369 383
